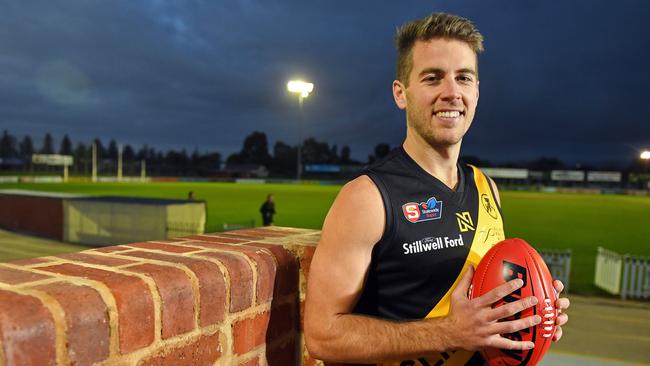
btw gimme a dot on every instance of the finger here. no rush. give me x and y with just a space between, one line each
464 283
505 343
561 319
512 308
559 286
562 303
513 326
558 333
499 292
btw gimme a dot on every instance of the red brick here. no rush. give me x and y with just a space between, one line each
111 249
216 239
241 279
134 303
217 245
163 247
27 331
177 296
95 259
305 259
266 233
283 354
235 235
250 332
265 275
30 261
264 262
15 276
282 321
87 321
205 350
286 277
212 288
170 241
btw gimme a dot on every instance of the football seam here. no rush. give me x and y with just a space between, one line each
546 334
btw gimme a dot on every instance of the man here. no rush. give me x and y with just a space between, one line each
389 279
268 210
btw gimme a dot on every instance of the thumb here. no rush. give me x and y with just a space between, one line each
465 281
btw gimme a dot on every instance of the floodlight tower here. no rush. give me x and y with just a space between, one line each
302 89
645 156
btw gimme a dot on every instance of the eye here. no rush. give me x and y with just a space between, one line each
465 78
431 79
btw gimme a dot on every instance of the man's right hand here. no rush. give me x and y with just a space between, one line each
473 323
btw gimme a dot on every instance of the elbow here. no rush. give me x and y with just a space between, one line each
318 347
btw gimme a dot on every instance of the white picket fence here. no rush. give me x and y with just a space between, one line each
558 262
624 275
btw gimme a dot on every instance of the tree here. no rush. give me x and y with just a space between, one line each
101 152
66 146
128 154
112 150
284 159
26 148
48 144
254 151
81 157
8 145
381 150
314 152
345 155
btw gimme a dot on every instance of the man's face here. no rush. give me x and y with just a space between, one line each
441 98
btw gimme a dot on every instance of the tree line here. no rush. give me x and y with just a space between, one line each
280 160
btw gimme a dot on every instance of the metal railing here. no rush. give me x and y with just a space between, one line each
624 275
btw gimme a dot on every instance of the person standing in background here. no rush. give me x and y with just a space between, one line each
268 210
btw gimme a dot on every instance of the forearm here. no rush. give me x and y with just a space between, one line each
358 338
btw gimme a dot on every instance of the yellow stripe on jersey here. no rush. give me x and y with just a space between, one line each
489 231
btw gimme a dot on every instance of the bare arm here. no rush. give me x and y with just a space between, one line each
337 274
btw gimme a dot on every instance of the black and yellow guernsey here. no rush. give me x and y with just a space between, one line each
432 234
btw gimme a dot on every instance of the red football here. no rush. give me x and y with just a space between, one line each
505 261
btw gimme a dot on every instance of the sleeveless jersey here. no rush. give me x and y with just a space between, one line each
432 234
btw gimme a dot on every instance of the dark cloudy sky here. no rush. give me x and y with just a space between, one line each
559 78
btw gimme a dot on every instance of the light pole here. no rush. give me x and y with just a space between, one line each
302 89
645 156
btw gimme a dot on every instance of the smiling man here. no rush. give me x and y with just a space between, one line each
389 280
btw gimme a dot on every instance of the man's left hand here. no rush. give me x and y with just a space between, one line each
561 304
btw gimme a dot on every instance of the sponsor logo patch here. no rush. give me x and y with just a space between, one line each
423 211
487 205
465 222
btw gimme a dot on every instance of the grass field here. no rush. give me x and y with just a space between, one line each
578 222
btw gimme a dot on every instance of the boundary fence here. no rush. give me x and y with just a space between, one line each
624 275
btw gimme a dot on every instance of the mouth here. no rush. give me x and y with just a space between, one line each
448 114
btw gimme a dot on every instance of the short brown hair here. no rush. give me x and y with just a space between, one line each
436 25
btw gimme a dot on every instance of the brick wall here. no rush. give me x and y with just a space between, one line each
232 298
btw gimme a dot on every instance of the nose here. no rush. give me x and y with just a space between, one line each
450 90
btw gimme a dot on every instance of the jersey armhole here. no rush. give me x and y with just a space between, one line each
388 212
494 196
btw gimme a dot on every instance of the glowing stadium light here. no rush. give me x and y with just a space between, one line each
301 87
645 155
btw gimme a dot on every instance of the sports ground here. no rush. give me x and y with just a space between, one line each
602 331
580 222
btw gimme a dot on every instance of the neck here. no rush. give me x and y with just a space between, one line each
439 161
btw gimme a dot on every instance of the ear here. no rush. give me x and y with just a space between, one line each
478 83
399 94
